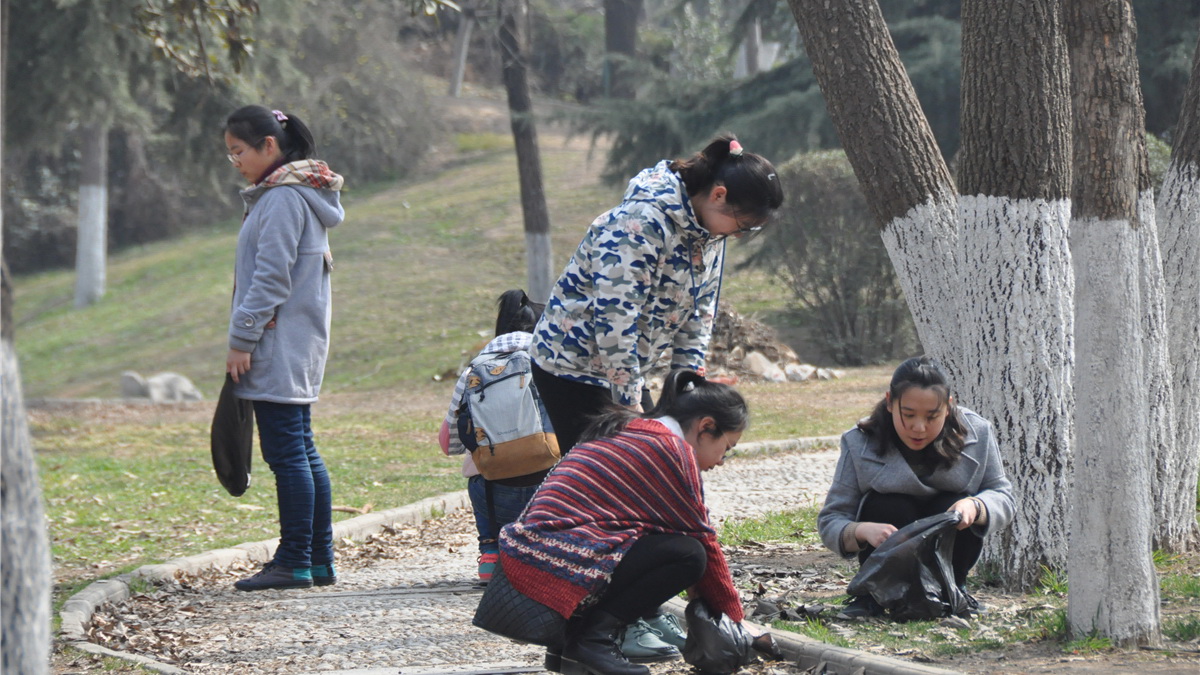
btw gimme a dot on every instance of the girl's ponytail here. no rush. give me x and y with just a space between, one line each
753 187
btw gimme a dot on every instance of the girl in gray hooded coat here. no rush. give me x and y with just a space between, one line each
279 328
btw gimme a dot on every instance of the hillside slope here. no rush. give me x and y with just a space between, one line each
418 267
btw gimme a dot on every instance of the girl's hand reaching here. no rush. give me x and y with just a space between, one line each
873 534
968 508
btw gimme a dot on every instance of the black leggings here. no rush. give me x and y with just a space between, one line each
570 404
655 569
901 510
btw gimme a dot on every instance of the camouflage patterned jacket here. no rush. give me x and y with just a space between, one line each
643 281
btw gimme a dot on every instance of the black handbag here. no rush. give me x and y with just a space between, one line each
232 439
505 611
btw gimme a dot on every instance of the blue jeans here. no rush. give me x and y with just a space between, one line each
301 484
509 502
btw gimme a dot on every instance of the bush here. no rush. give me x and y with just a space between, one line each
824 244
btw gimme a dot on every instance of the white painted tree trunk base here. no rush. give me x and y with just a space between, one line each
540 274
1015 291
1110 568
91 247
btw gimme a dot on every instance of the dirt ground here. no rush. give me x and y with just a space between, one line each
802 581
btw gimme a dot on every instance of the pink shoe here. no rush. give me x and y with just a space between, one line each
487 565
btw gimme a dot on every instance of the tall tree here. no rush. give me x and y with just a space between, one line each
620 46
987 275
1178 213
1016 288
1113 585
538 254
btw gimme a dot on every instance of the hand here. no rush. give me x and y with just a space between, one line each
968 509
874 534
236 363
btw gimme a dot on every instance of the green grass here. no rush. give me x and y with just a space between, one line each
119 495
796 526
1182 629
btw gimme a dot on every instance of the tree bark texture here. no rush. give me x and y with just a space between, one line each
620 46
24 545
1113 584
91 246
540 273
1178 214
895 157
1015 284
1014 81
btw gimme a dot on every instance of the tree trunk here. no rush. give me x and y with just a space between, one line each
24 548
538 254
91 246
1178 212
1015 281
890 145
462 43
620 46
1113 585
6 296
753 47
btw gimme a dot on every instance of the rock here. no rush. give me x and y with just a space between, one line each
828 374
799 372
758 364
133 385
159 388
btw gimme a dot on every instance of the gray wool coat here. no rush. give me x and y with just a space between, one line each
978 473
282 274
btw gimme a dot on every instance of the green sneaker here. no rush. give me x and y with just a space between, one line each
324 575
275 576
640 644
667 627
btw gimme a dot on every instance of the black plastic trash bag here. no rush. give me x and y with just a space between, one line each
910 574
715 644
232 439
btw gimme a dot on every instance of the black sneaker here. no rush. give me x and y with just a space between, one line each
324 575
861 607
275 576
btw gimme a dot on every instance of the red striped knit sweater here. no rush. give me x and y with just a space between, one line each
596 503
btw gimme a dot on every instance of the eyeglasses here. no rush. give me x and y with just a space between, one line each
235 158
740 231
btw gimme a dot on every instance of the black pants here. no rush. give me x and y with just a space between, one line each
570 404
901 510
656 568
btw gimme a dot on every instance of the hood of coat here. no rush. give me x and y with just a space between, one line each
319 186
662 187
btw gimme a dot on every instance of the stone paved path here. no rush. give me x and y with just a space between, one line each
413 611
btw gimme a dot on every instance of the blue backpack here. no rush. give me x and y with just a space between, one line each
502 421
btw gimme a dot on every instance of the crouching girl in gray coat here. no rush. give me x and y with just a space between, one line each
279 328
917 455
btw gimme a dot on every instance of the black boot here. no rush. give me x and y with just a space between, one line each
594 649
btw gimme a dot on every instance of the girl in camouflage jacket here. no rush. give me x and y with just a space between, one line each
645 281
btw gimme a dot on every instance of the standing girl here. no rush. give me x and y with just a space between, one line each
645 281
917 455
620 525
279 328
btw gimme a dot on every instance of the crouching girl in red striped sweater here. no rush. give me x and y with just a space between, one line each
619 526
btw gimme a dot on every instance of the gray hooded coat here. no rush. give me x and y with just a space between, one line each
282 274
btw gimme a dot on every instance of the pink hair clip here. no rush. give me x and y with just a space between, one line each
735 148
279 115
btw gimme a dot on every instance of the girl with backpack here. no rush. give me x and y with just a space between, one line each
495 503
645 280
619 526
279 328
917 455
